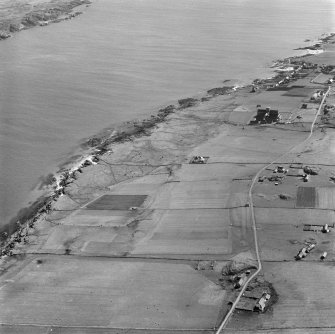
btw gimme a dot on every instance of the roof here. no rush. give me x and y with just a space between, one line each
256 293
246 304
266 110
296 165
296 172
310 227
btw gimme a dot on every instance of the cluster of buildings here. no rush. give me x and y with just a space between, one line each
266 116
317 96
198 159
255 298
303 252
327 69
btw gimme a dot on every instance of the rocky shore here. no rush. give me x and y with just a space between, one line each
96 147
27 14
318 46
138 235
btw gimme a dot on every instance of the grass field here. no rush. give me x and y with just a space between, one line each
286 331
299 91
326 197
92 217
117 202
304 301
67 291
76 239
196 195
294 217
203 231
26 329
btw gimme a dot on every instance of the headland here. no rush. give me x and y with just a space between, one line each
20 15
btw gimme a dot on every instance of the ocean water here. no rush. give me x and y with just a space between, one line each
124 59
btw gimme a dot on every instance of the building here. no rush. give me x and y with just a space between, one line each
266 116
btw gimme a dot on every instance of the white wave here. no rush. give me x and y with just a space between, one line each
314 52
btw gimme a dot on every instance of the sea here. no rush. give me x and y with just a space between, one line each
123 60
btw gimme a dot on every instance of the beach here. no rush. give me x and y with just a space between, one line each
167 223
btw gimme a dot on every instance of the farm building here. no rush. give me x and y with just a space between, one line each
266 116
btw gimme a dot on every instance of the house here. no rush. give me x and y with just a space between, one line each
254 300
267 115
302 253
261 304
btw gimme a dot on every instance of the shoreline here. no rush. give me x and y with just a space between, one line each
98 145
189 214
38 15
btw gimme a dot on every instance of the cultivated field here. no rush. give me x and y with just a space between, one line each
306 197
326 197
200 231
68 291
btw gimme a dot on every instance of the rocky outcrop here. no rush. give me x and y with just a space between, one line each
128 130
188 102
40 14
219 91
4 35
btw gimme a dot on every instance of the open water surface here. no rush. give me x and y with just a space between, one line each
124 59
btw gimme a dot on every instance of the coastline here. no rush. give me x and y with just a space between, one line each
16 18
98 145
185 231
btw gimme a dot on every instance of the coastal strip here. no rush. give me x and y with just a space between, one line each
14 18
153 228
291 69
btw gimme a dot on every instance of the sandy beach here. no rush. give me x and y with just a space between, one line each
137 236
